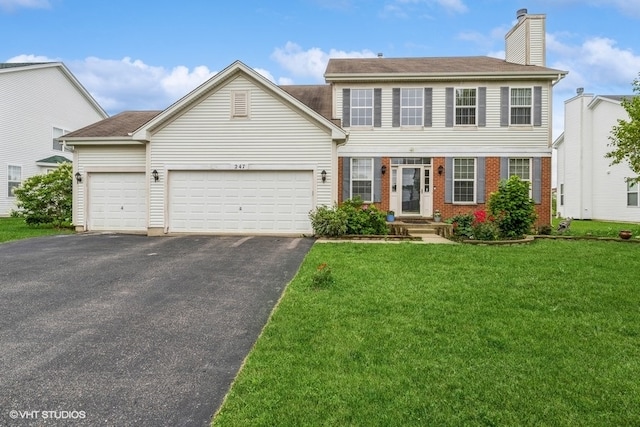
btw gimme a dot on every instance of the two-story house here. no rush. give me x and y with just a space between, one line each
588 186
240 154
38 104
440 133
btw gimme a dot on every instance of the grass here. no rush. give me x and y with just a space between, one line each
15 229
597 228
544 334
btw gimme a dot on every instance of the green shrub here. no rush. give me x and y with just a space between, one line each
330 222
46 198
484 226
512 208
352 217
462 226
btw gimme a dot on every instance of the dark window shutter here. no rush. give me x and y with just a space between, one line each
448 180
346 178
377 179
346 108
480 174
377 108
537 105
449 107
482 106
536 190
428 107
395 119
504 168
504 106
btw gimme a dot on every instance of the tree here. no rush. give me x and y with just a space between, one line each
625 136
46 198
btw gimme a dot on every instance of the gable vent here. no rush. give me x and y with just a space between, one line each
240 104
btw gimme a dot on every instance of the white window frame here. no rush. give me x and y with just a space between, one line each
561 194
56 133
361 106
356 174
517 103
240 104
462 102
411 106
473 180
633 190
513 170
12 182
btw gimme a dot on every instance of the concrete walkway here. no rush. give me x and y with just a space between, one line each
426 239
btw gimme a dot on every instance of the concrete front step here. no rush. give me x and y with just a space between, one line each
415 228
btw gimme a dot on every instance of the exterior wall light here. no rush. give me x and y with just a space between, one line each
78 177
383 169
155 175
323 174
440 169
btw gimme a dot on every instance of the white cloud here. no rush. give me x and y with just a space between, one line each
456 6
10 5
312 62
31 58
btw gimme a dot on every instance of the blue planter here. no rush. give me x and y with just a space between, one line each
391 218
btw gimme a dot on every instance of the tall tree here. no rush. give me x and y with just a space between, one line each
625 136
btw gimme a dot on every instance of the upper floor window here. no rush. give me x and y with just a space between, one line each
411 107
633 198
521 106
362 179
465 106
57 145
464 179
361 107
14 178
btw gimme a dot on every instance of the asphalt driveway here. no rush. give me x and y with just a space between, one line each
123 330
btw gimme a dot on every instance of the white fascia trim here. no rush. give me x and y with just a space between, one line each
240 166
451 151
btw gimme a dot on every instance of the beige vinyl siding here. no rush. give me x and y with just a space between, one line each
516 46
537 43
274 136
32 103
118 158
439 140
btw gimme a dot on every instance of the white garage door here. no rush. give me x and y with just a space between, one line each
117 202
240 201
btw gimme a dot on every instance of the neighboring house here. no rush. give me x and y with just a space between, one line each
588 187
38 104
241 154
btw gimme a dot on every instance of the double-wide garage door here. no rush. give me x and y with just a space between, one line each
240 201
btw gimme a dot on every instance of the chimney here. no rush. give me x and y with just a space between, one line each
521 13
580 90
525 42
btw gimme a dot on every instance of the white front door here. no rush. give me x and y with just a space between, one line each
411 190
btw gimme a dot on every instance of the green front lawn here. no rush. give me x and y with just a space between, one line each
15 229
413 335
597 228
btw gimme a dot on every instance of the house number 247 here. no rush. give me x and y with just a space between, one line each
240 166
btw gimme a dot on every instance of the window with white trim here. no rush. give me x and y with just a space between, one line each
362 179
464 180
411 107
561 194
361 107
522 169
521 105
633 196
466 106
14 178
57 145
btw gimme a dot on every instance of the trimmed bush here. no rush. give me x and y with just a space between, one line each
512 208
353 217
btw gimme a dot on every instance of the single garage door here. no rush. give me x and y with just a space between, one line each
240 201
117 201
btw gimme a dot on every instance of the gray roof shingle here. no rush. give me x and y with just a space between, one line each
120 125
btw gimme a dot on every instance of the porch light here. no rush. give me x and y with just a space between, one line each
440 169
78 177
323 174
155 175
383 169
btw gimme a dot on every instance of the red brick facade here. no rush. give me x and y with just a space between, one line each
492 179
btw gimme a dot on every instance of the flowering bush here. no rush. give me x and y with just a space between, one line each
484 226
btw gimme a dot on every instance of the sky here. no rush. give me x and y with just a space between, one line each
145 55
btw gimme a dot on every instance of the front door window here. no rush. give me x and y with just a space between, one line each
411 186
